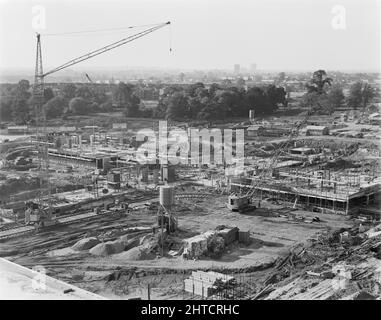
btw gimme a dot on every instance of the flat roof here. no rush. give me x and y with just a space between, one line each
21 283
316 127
301 149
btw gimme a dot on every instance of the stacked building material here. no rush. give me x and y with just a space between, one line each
196 246
204 283
229 235
244 236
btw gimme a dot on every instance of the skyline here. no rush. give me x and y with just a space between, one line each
287 35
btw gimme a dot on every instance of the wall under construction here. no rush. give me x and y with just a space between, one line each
343 193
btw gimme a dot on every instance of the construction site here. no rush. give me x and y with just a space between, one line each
300 221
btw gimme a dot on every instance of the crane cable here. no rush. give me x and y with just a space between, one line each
98 30
170 37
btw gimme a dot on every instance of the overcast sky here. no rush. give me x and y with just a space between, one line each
205 34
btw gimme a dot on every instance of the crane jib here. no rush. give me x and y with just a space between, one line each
106 48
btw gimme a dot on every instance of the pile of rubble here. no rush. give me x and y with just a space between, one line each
344 264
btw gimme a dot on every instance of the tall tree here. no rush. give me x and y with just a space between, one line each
20 111
336 98
319 82
54 107
79 106
5 109
360 94
178 106
48 94
281 76
127 99
68 91
20 105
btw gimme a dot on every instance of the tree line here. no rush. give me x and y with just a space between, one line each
179 102
197 101
16 102
326 97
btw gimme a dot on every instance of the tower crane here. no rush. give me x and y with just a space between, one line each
36 212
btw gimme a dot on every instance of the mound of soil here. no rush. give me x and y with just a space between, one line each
128 242
137 253
107 248
85 244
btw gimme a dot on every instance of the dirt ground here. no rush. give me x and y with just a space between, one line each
114 277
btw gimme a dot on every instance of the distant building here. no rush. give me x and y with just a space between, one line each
237 68
255 131
119 126
17 129
303 151
253 67
317 131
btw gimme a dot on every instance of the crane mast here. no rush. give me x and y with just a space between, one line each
38 102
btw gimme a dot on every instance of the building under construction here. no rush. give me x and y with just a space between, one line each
344 192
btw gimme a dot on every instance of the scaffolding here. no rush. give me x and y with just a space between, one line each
340 191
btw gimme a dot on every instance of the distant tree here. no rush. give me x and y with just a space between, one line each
68 91
360 94
79 106
100 95
48 94
54 107
228 102
240 82
194 88
178 106
336 98
20 111
24 85
5 109
195 106
213 88
84 92
368 93
354 99
94 107
20 105
281 76
227 82
257 99
211 111
127 99
318 103
275 95
318 82
316 98
106 106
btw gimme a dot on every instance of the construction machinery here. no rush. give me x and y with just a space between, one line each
39 217
39 213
